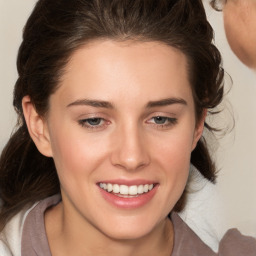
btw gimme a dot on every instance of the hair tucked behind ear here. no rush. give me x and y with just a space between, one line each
55 29
23 174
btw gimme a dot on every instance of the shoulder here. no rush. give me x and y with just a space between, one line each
204 212
236 244
34 238
10 236
16 235
187 242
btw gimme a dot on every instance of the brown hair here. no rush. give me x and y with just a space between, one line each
54 31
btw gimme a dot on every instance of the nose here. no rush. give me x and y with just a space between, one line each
130 149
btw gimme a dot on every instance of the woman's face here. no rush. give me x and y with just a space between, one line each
240 26
122 120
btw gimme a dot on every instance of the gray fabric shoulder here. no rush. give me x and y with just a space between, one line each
236 244
186 241
34 239
203 197
10 236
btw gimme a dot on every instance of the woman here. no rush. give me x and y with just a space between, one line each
240 26
112 98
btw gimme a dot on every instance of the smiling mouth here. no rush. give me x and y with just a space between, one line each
126 191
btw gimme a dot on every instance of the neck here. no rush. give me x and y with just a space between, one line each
71 237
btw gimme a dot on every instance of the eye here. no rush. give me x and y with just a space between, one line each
93 123
162 121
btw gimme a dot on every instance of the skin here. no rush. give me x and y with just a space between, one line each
240 27
127 144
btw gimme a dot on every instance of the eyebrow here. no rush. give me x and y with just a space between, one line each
166 102
92 103
106 104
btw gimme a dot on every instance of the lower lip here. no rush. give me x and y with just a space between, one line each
131 202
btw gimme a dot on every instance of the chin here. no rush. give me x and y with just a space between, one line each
127 230
123 235
245 57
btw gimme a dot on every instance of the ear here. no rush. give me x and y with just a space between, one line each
37 127
199 129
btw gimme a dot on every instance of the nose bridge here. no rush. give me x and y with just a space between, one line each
130 152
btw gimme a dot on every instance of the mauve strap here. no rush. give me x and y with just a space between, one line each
186 242
34 240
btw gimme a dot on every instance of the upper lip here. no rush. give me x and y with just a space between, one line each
129 182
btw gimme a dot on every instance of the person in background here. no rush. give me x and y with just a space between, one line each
240 27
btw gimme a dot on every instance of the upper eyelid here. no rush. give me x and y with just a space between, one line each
162 114
170 121
168 118
92 115
90 118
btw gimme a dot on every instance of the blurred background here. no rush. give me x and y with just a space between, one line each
236 152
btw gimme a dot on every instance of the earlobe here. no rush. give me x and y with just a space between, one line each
37 127
199 129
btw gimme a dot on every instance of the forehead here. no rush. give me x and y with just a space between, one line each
125 69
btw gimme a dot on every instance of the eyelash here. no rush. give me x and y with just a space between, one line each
168 122
101 122
85 123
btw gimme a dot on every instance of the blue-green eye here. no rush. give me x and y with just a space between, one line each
160 119
92 123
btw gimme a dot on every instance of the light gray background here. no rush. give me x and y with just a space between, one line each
237 151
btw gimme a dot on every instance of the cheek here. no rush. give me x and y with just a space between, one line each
76 155
175 161
175 155
232 26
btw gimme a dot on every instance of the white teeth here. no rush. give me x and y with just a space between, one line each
146 188
123 189
116 189
126 190
140 189
110 187
103 185
133 190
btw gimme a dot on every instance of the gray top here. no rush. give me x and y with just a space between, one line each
34 240
186 242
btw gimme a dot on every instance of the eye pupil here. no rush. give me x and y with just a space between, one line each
160 119
94 121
